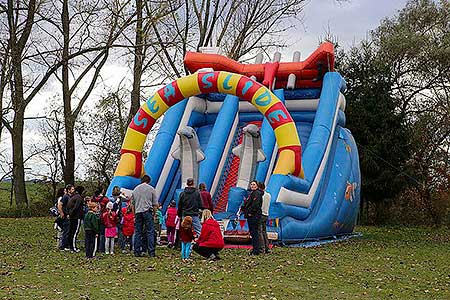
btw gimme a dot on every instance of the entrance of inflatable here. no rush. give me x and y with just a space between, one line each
288 141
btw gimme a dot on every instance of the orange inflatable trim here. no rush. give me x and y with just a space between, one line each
308 73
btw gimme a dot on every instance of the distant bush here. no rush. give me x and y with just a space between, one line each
411 209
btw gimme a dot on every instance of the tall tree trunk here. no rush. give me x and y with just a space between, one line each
17 45
69 172
138 61
20 192
69 166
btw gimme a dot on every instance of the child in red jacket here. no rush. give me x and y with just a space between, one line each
110 220
127 227
171 216
187 235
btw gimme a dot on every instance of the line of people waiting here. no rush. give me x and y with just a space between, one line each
136 221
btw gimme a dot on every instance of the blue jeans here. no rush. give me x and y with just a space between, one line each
185 250
144 219
196 224
65 233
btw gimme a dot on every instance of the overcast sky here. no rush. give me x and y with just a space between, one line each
349 20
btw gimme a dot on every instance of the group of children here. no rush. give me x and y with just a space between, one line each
106 219
111 220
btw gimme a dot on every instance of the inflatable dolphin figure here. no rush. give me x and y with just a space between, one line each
250 153
189 154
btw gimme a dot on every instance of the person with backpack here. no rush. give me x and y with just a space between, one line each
75 209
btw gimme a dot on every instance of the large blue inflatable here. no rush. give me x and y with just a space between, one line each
281 123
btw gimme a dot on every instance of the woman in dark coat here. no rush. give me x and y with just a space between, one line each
252 212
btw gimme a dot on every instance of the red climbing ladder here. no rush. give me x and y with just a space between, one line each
231 173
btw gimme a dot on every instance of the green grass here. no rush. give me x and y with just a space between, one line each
40 199
386 263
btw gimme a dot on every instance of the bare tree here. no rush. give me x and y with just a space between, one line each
5 67
148 14
36 53
102 141
88 31
52 131
21 18
239 27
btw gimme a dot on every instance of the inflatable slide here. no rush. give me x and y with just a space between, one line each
282 123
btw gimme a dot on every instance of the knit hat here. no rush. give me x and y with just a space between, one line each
109 205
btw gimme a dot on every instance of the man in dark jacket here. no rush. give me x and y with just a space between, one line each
190 203
75 209
65 224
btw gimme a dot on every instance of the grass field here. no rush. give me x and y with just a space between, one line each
386 263
39 199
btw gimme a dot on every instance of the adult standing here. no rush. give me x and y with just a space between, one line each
206 197
145 204
76 212
210 241
190 203
264 241
65 223
252 212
